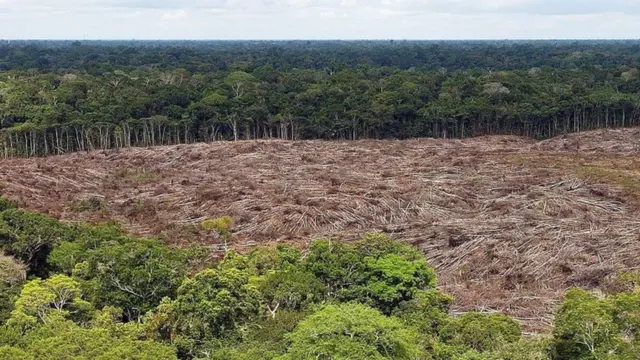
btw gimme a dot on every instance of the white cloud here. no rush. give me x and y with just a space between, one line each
174 15
329 14
348 3
277 19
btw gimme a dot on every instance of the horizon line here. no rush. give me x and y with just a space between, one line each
321 39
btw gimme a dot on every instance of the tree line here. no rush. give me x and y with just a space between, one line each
47 111
92 292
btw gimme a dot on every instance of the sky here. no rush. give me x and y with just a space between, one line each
319 19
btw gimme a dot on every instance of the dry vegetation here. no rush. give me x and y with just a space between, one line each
508 223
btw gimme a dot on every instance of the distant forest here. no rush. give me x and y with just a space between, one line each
64 96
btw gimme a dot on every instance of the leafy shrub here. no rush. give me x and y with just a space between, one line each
481 332
90 204
355 332
11 353
6 204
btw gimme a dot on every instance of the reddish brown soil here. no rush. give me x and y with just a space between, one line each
508 223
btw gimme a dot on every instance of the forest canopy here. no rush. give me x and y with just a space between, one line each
59 97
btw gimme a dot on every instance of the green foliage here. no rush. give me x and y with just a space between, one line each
57 297
442 351
214 304
12 276
481 332
248 351
525 349
8 296
133 276
11 353
6 204
592 328
265 338
377 245
376 271
90 204
292 289
221 226
272 331
66 256
390 280
115 297
11 336
427 311
280 257
128 94
353 331
335 263
82 240
30 237
65 340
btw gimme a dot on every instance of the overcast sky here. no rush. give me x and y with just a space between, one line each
319 19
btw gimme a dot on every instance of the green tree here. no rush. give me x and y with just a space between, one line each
353 331
12 276
30 237
592 328
335 263
481 332
291 289
389 280
376 271
222 227
266 258
61 340
240 83
58 296
133 276
214 304
83 239
427 311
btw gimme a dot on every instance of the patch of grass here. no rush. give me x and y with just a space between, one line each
145 176
91 204
630 182
476 180
520 159
614 171
137 175
140 209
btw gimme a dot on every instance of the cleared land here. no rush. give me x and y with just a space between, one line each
508 223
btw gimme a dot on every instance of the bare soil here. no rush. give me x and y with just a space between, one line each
509 223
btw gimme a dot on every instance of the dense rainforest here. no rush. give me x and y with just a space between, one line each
58 97
77 291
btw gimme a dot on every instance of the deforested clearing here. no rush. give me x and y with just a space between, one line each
509 223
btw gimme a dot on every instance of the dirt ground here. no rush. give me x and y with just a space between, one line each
509 223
